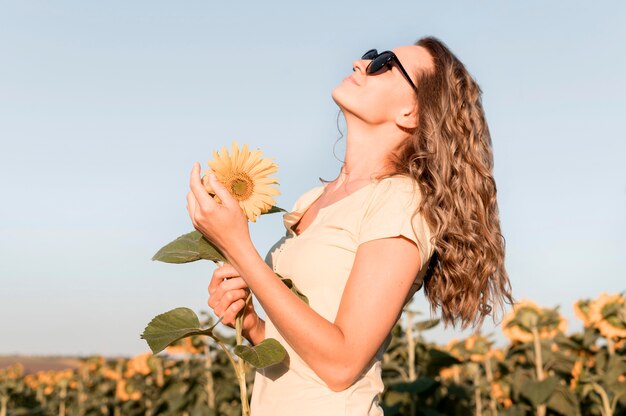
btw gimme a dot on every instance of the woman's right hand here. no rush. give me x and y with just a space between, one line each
227 296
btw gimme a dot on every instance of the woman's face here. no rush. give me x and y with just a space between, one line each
382 97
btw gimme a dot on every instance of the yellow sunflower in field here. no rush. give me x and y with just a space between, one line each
183 346
525 315
31 381
608 315
124 392
581 310
12 372
576 372
138 365
477 346
246 176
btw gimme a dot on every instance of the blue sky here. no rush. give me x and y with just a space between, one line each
105 106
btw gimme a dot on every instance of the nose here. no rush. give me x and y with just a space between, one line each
360 65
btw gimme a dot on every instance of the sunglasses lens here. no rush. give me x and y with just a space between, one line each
371 54
380 63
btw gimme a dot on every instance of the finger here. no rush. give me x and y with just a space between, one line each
227 300
215 282
219 274
221 294
202 197
227 270
191 205
233 283
221 191
231 313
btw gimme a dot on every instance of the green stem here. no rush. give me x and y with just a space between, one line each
606 407
208 364
541 409
610 346
410 345
160 376
241 365
238 366
3 405
489 374
62 396
478 402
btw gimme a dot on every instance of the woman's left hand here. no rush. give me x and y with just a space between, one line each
225 224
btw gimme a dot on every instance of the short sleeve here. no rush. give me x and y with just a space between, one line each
391 213
290 218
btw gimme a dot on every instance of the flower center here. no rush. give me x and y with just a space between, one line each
240 185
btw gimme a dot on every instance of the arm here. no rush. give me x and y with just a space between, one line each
383 272
257 334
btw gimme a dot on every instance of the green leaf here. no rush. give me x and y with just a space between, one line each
615 367
590 337
274 209
519 379
518 409
292 286
187 248
539 392
418 386
438 359
428 324
564 401
168 327
562 363
566 342
265 353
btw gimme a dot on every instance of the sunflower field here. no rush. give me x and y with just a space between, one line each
542 371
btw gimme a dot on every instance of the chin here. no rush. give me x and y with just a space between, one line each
341 97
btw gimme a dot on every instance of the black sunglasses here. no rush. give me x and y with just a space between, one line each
382 62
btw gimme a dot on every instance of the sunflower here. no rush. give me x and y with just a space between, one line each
576 372
13 372
124 393
526 314
581 310
608 315
477 347
245 175
138 365
502 393
455 348
183 346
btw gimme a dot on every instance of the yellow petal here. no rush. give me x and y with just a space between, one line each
266 181
268 190
265 199
245 156
226 159
260 167
253 160
235 156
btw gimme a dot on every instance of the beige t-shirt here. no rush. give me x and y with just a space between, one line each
319 261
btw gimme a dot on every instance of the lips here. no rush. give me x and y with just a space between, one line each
351 79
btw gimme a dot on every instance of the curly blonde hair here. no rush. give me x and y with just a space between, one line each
450 157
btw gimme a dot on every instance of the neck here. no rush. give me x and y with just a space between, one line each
368 148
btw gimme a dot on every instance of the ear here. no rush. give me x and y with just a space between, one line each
407 119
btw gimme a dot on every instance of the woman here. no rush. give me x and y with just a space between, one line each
414 204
